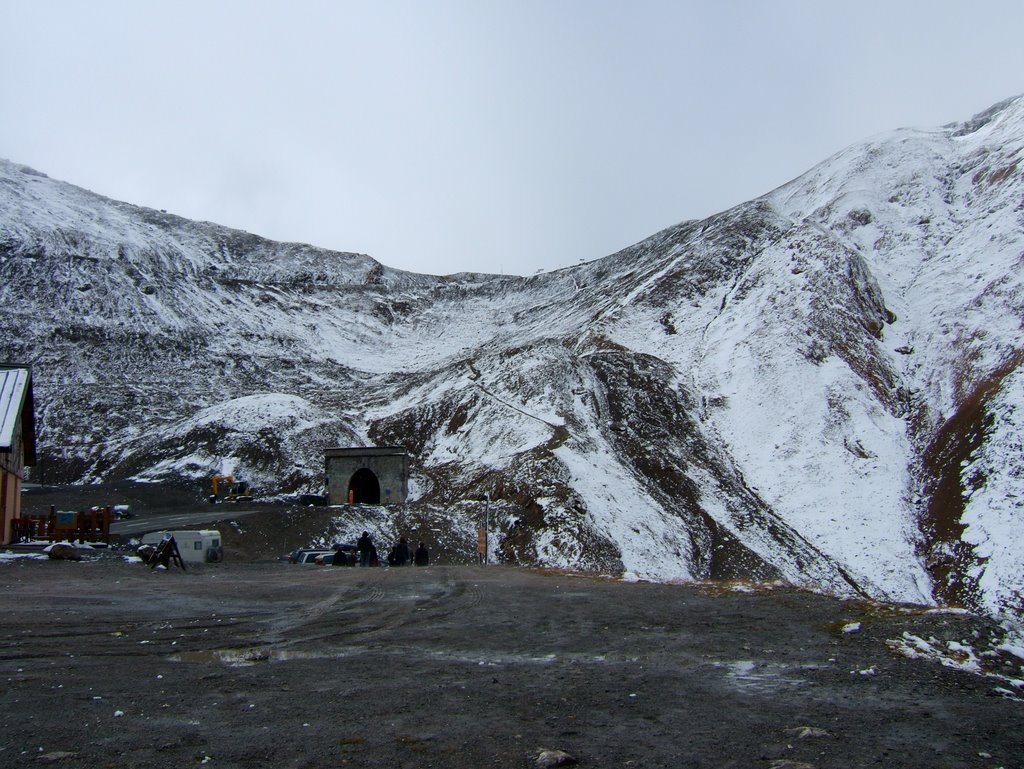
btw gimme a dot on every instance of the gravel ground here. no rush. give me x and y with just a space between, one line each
112 664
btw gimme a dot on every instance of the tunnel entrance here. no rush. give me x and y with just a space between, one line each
373 475
364 488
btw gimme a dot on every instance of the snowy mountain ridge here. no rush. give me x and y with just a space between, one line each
820 385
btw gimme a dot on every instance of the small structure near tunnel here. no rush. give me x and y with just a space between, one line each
367 475
17 442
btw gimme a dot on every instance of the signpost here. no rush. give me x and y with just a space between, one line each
483 532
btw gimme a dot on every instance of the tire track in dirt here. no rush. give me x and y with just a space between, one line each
398 602
361 614
421 602
364 592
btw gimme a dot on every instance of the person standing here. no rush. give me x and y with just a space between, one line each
341 557
366 549
422 555
402 554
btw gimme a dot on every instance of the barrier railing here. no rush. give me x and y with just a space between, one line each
91 525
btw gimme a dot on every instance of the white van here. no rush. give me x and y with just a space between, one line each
198 546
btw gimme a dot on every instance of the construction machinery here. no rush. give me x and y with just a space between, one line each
227 489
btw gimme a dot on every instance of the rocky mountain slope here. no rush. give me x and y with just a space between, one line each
821 385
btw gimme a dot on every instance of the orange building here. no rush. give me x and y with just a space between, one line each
17 440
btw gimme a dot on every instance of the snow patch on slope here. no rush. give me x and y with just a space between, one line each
651 542
994 498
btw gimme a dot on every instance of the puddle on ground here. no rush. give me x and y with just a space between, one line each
255 655
240 658
755 676
496 660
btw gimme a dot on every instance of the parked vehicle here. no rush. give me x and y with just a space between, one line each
323 556
307 555
197 546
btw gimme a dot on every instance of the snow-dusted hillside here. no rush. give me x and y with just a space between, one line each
821 385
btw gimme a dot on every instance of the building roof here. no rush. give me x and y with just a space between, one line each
367 451
16 401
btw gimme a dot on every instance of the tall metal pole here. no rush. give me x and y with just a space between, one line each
487 529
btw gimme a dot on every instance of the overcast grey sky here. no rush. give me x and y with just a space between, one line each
496 136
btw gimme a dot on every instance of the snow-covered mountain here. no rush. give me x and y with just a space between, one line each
821 385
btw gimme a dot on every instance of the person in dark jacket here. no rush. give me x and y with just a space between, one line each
422 555
402 554
366 549
341 557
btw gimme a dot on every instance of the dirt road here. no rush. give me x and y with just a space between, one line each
110 664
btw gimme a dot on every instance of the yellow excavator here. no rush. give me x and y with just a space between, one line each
227 489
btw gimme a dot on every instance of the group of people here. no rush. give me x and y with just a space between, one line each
400 555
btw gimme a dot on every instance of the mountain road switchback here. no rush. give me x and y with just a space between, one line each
168 521
109 663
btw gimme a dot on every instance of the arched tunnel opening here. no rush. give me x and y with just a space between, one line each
364 488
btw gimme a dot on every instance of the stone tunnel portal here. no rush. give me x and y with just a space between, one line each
370 475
